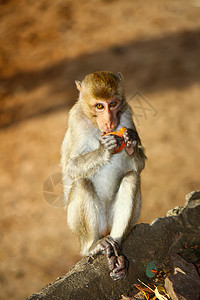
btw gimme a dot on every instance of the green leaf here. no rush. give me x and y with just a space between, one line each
151 266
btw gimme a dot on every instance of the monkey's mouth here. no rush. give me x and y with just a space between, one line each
106 132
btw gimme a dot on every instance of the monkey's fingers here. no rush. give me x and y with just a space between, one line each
109 145
121 269
110 247
118 276
130 138
101 246
115 245
111 137
111 141
130 143
112 262
112 252
104 246
122 262
109 250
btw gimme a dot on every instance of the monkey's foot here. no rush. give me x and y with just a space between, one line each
118 263
120 270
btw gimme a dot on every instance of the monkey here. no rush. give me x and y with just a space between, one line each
103 199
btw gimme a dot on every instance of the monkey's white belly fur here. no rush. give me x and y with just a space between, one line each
107 180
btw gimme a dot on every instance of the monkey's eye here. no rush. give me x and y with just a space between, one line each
113 104
99 106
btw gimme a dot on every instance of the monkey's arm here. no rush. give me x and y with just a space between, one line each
139 158
127 206
82 154
132 140
134 148
87 164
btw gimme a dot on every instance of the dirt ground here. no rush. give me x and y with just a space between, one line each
45 46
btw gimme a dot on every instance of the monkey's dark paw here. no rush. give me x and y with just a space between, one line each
130 138
106 246
120 270
111 141
118 263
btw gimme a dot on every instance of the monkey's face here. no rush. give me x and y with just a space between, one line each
106 114
102 99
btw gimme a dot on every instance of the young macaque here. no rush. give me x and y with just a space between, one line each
104 199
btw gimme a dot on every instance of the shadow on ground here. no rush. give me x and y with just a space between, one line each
162 63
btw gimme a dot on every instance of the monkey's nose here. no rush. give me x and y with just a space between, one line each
109 125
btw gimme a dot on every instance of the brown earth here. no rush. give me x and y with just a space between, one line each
45 46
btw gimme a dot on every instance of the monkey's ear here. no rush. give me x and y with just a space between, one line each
78 85
120 76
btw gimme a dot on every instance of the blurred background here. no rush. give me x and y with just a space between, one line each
44 47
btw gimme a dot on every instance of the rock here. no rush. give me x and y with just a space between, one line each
184 283
175 211
195 195
89 279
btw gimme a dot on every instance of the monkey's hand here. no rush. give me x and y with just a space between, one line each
111 142
131 140
118 263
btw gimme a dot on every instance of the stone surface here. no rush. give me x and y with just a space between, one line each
89 279
184 283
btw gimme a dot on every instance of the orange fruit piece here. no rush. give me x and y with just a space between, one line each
120 133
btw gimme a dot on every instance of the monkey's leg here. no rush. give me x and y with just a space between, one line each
123 215
118 263
83 213
126 211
